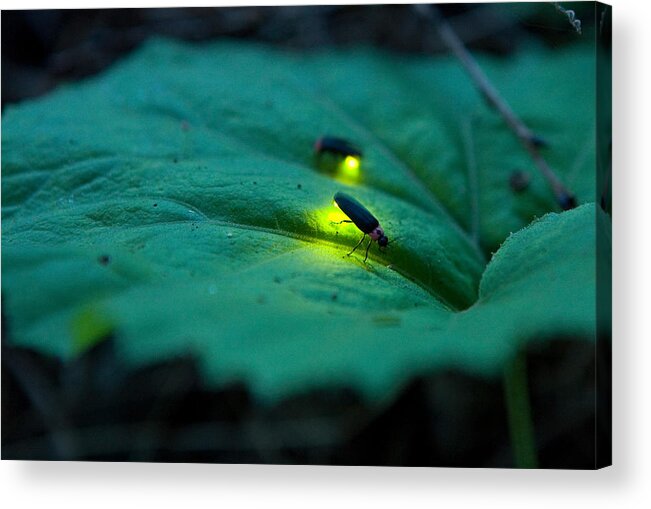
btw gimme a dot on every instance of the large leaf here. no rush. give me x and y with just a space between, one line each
176 201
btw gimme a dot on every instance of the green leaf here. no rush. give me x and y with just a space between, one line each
178 194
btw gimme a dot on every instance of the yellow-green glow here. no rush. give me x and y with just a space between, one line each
351 163
335 216
346 169
327 216
349 169
89 327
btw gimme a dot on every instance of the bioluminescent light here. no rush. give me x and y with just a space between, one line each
350 166
339 157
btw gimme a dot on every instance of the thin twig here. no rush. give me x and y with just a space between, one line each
473 178
571 17
531 142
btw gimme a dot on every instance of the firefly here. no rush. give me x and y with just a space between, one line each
337 146
349 156
363 219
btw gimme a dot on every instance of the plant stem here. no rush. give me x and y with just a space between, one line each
518 409
530 141
44 400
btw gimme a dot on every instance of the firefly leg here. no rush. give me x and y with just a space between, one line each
358 244
367 248
342 221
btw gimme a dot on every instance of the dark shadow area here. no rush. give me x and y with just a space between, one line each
92 408
42 48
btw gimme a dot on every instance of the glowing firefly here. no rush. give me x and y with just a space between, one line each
351 155
363 219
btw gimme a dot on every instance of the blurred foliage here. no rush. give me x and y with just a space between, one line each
92 408
178 196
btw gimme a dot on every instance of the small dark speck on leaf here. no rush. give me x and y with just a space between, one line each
333 296
567 201
104 259
155 204
519 180
299 186
255 183
176 160
539 141
276 279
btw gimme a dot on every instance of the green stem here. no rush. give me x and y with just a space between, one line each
518 409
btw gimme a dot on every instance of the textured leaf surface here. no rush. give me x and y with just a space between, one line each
177 198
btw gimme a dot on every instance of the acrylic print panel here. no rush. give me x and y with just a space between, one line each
339 235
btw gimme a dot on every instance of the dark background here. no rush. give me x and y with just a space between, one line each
91 408
43 48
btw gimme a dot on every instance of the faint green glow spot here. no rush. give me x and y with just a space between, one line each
88 327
